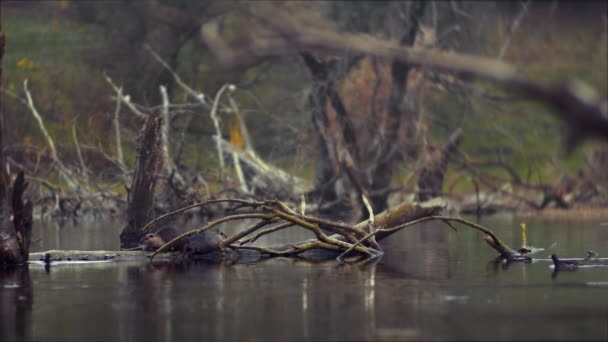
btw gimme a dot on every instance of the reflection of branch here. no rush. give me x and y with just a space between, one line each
575 103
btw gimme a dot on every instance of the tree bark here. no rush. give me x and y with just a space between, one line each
15 214
4 179
434 164
397 108
326 165
141 194
339 159
16 226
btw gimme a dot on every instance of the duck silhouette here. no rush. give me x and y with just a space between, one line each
562 265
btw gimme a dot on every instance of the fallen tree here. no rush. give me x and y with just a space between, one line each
273 215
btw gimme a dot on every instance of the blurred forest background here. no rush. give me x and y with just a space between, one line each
64 48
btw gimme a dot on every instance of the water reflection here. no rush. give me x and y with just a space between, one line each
432 283
16 304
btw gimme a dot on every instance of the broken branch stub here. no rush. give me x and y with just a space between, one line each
15 234
141 195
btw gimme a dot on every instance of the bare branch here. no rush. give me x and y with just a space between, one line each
199 96
209 226
126 99
202 204
514 26
63 171
218 131
83 167
119 155
265 232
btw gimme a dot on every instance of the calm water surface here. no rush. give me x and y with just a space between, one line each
432 284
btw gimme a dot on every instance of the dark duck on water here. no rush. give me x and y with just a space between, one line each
563 265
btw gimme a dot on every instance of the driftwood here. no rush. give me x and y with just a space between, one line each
141 194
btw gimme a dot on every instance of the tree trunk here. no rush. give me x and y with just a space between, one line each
326 166
15 215
16 226
338 160
140 199
397 108
4 179
434 164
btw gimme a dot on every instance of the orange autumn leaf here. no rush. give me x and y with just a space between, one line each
236 136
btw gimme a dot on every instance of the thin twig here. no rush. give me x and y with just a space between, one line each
199 96
218 131
83 167
228 241
119 154
513 29
266 231
63 171
126 99
209 226
202 204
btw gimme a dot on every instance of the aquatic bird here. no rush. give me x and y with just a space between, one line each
563 265
592 254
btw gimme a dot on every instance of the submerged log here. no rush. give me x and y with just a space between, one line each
141 194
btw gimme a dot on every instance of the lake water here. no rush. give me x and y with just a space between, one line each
432 284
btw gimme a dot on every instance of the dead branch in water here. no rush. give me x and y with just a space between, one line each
274 215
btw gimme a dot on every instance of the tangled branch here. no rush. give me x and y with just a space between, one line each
273 216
